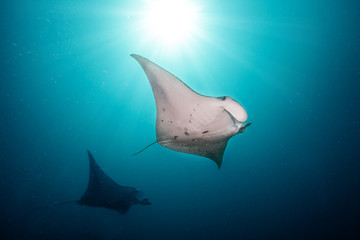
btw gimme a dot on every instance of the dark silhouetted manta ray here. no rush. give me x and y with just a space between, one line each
103 192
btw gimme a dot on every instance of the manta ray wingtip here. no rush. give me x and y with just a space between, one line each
218 161
143 61
89 153
136 56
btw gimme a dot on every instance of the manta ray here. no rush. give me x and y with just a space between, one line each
103 192
189 122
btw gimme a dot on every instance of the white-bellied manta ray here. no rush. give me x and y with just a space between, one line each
189 122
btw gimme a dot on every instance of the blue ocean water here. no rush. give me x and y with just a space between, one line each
68 83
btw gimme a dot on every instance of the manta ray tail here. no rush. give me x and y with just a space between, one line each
55 204
62 203
144 148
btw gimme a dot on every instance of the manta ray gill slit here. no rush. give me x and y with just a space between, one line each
171 22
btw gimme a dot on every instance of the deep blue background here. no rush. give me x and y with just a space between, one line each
67 84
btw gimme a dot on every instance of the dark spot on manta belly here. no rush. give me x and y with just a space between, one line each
176 137
163 109
205 132
189 121
162 120
186 133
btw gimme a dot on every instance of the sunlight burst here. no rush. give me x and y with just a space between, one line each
171 22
